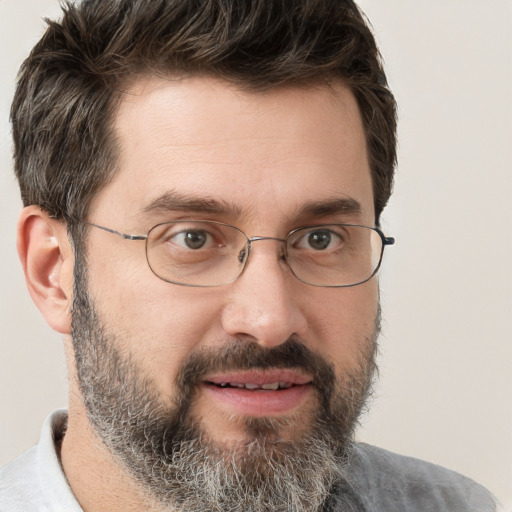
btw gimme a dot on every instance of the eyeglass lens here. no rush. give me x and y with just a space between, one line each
209 253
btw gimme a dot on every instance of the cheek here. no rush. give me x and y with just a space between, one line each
157 323
346 320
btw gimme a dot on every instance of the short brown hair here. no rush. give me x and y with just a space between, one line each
67 91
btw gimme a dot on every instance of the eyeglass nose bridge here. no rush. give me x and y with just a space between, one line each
243 256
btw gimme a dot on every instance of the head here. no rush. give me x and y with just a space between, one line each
265 115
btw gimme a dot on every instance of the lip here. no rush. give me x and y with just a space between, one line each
259 402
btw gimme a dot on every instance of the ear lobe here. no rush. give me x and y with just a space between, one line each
47 259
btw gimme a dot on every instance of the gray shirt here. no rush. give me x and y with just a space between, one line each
377 481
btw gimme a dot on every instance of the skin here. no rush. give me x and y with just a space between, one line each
266 154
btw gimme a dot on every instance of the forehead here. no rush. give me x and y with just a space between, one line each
255 152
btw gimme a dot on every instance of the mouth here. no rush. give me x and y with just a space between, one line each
271 386
259 393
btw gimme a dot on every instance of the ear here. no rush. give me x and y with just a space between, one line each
47 259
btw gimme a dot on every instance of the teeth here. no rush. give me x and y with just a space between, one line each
272 386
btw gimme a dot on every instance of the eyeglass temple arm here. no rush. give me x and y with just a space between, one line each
388 240
114 232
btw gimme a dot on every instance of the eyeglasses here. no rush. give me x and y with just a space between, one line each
210 253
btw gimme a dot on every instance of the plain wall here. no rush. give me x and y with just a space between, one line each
445 387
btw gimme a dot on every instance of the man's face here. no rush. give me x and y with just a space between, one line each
266 162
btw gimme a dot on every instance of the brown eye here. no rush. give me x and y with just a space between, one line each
192 239
319 240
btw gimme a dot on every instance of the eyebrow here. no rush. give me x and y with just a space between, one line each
177 202
174 201
345 205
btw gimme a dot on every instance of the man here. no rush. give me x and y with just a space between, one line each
203 183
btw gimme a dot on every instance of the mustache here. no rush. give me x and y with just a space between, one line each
244 354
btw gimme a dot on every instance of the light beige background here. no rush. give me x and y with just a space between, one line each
445 390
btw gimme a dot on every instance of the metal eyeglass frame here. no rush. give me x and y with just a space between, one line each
385 241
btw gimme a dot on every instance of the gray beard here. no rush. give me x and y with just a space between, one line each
179 466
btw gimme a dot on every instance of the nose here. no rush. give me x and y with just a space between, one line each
265 303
